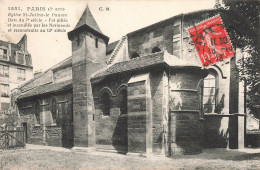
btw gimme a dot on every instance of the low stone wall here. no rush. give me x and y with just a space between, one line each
186 123
223 131
216 132
59 133
53 136
252 139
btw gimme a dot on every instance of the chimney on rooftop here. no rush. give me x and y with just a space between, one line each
9 52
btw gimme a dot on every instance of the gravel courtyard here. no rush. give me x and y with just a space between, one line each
59 158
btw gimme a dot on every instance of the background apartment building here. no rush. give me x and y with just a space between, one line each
15 68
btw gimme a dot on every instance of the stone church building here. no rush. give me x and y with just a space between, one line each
144 94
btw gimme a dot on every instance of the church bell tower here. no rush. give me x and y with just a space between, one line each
88 56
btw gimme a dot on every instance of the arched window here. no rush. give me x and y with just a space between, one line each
122 98
156 49
54 111
37 112
134 55
210 92
105 104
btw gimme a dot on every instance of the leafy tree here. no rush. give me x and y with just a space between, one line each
242 21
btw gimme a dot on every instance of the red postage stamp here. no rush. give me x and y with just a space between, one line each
211 41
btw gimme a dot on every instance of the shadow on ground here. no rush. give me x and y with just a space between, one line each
224 154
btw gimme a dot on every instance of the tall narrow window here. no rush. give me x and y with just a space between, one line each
105 104
20 74
96 41
210 92
54 111
20 57
4 71
37 112
123 101
5 90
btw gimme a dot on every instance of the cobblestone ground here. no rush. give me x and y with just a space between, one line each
46 158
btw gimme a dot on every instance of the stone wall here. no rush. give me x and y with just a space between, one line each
158 100
252 140
62 74
53 134
185 121
215 131
111 131
224 80
138 122
142 126
143 41
223 131
86 59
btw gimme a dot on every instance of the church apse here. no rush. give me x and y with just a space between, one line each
185 117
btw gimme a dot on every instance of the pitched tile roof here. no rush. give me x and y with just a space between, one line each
64 63
88 19
136 63
87 22
162 57
48 88
14 47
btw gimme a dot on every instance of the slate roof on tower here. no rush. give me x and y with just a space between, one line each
87 21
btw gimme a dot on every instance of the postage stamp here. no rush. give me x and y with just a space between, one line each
211 41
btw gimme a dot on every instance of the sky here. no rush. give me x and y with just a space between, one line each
48 49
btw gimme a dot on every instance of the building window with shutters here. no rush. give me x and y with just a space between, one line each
5 91
20 74
4 71
210 92
20 57
3 54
